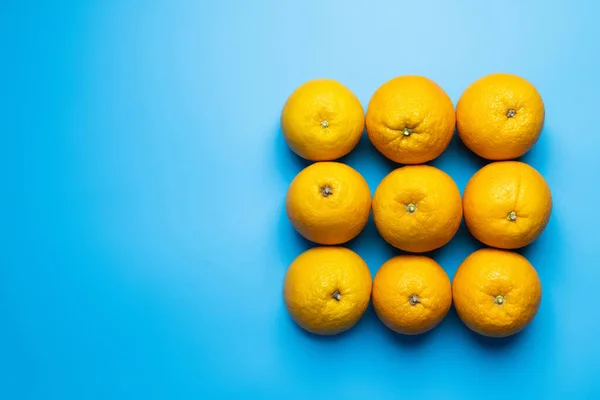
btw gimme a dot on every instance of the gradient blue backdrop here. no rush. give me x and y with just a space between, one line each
144 237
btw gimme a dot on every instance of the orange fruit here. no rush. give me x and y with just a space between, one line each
410 120
500 116
327 289
496 292
328 203
417 208
411 294
507 204
322 120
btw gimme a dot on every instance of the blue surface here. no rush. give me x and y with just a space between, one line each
144 238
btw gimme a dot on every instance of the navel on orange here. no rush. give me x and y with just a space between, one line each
328 203
507 204
417 208
496 292
322 120
410 120
500 116
327 289
411 294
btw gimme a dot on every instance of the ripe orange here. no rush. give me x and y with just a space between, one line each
328 203
322 120
507 204
417 208
496 292
410 120
327 289
500 116
411 294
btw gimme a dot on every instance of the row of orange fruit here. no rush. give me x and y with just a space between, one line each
416 208
411 120
495 292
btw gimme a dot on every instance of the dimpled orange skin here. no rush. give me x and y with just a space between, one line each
322 120
410 120
327 289
411 294
435 217
487 276
328 203
507 204
486 123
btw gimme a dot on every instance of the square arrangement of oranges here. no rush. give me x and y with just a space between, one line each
416 208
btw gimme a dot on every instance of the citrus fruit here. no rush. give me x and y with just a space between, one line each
417 208
322 120
496 292
411 294
500 116
507 204
328 203
410 120
327 289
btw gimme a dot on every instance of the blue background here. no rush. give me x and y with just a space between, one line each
143 230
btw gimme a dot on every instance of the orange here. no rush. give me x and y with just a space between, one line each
500 116
411 294
417 208
496 292
507 204
322 120
328 203
410 120
327 289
